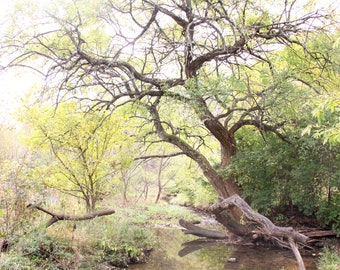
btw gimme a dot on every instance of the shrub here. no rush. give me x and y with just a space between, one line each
37 250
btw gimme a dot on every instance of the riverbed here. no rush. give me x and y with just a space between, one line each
176 251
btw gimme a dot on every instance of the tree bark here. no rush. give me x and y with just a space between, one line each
56 217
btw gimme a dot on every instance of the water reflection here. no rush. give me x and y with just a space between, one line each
177 251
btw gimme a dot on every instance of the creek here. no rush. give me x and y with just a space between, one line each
171 253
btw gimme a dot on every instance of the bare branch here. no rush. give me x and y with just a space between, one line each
56 217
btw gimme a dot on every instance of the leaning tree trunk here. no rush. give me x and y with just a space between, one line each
233 212
225 188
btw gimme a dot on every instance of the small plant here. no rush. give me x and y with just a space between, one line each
330 260
281 218
14 261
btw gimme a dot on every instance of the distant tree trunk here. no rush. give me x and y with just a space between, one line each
159 181
158 194
163 164
146 191
125 181
90 203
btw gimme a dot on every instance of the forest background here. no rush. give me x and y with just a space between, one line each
118 115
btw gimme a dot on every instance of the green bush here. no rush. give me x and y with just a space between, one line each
275 176
329 213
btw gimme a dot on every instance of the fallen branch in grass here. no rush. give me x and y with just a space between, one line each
56 217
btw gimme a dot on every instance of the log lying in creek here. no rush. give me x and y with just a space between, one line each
198 231
254 228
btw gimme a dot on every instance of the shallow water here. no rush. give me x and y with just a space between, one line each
171 253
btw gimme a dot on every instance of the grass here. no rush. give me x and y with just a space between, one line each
330 259
111 241
159 214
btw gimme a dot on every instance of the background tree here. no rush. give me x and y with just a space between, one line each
224 64
16 185
82 152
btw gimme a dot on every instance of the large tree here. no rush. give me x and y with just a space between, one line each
223 64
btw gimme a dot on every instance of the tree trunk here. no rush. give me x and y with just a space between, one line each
159 179
88 204
158 194
224 187
125 186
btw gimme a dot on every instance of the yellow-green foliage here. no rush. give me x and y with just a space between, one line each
79 152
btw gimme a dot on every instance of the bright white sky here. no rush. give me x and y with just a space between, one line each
14 87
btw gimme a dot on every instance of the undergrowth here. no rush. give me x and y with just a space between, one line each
111 241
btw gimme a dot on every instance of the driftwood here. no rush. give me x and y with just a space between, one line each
254 227
56 217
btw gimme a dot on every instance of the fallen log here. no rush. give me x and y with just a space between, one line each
320 233
262 224
198 231
254 227
56 217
